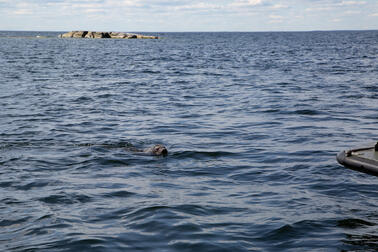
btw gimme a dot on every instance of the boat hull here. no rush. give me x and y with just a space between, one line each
362 160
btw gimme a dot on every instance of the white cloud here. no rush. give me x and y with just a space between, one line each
87 5
22 12
94 11
275 17
168 15
107 4
279 6
197 6
124 3
275 21
246 3
312 9
332 6
24 8
254 2
344 3
352 12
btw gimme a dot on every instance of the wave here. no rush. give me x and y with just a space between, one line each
202 154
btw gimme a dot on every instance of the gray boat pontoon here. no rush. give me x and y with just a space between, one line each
362 159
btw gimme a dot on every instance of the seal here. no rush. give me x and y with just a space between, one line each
157 150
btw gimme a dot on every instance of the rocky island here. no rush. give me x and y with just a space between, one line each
114 35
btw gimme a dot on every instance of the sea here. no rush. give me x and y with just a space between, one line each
252 122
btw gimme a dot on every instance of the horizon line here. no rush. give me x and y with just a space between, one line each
194 31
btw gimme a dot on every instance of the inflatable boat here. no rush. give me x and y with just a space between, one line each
361 159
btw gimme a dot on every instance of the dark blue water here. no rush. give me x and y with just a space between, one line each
252 121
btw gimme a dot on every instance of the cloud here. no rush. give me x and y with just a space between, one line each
346 3
352 12
133 7
87 5
329 5
124 3
246 3
165 15
23 8
279 6
312 9
275 19
197 6
22 12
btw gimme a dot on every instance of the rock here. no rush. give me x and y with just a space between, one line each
145 37
97 35
115 35
119 35
140 36
131 36
74 34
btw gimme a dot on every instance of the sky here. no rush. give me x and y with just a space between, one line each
188 15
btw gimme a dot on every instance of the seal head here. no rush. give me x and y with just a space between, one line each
157 150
